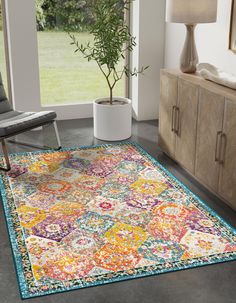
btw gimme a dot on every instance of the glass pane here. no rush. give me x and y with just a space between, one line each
66 77
3 68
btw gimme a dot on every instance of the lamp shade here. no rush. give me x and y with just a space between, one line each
191 11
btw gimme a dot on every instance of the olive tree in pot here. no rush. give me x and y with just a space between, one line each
112 39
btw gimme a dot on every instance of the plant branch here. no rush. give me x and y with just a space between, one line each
112 40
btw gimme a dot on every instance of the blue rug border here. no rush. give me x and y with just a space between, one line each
17 257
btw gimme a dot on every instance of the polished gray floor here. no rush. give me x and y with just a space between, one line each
210 284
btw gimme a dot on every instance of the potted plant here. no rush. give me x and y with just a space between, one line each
112 39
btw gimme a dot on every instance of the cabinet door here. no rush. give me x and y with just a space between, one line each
169 93
227 184
186 124
210 120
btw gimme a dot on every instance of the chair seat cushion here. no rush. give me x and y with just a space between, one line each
15 121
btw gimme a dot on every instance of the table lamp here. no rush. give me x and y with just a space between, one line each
190 12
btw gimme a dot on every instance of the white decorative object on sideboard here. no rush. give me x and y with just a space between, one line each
197 128
214 74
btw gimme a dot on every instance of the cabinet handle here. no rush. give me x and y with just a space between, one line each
177 120
218 136
223 143
173 118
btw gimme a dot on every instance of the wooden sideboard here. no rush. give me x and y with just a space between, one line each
197 128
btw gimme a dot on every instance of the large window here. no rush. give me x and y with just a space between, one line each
3 69
66 77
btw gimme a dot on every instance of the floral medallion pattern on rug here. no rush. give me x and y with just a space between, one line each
89 216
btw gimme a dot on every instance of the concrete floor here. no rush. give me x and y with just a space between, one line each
210 284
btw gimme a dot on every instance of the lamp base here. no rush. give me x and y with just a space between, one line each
189 56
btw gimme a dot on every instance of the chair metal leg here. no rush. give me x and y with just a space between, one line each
6 157
57 134
41 146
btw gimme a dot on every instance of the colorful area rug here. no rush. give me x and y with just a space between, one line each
89 216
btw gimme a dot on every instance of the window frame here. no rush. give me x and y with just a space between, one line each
84 109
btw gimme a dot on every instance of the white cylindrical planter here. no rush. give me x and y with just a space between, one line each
112 122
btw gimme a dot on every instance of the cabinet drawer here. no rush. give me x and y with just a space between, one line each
210 119
169 95
227 184
187 124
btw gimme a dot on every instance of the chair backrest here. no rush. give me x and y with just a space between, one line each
5 105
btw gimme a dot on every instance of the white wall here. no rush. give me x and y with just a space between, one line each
23 54
149 28
211 39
